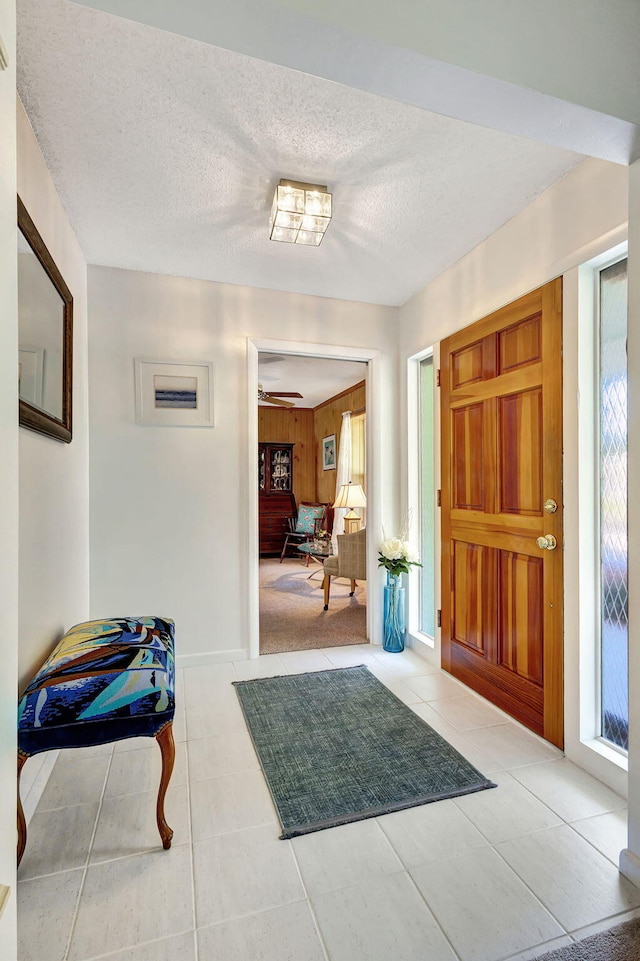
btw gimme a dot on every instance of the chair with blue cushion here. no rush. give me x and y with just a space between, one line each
303 525
105 681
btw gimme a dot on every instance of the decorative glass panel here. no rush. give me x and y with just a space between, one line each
613 503
427 500
280 469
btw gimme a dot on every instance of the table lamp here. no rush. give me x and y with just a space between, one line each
351 495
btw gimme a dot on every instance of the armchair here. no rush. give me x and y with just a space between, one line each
349 562
302 526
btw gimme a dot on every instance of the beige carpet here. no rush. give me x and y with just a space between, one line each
291 614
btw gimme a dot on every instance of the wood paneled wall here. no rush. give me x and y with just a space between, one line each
328 420
293 426
305 428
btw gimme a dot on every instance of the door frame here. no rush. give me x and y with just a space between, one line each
374 473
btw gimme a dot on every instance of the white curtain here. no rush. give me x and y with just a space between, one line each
343 475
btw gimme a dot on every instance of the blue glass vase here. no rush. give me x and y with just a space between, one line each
394 626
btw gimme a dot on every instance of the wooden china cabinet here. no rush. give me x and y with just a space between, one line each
276 501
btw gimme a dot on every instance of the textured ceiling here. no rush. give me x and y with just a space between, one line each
316 378
166 150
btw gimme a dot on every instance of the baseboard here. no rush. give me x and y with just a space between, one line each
630 866
421 649
33 781
211 657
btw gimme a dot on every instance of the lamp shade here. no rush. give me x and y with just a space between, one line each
351 495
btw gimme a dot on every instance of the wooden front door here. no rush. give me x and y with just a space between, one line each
501 387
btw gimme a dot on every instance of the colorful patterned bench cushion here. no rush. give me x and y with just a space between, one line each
105 681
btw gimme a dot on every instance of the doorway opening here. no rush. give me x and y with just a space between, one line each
312 414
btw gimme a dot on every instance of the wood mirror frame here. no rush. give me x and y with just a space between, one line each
30 416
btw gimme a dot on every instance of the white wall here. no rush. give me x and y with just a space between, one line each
169 506
580 217
8 482
54 477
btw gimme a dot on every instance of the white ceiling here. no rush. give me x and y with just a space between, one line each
316 378
165 151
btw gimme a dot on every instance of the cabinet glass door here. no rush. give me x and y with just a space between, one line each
262 477
280 469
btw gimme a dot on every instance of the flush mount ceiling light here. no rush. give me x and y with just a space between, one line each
300 213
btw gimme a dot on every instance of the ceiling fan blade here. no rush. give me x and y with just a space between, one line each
282 393
278 403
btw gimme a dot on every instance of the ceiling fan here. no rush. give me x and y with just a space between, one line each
272 396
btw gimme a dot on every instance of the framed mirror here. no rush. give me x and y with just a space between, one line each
45 332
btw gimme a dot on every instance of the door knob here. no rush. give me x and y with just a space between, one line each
547 542
551 506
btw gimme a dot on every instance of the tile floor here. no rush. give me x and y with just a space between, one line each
505 873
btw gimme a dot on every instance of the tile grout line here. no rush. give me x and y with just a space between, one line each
576 935
407 871
530 889
308 902
133 947
423 899
527 833
570 824
549 941
74 918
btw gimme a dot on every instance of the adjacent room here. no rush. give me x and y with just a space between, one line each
311 451
315 474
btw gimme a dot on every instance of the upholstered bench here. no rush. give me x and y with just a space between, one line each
105 681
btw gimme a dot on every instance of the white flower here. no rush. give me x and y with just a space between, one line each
392 548
410 554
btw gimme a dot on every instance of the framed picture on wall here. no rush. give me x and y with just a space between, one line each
329 452
174 393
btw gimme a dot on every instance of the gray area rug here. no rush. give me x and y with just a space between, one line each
337 746
621 943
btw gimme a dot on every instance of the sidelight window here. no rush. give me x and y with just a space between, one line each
612 453
427 500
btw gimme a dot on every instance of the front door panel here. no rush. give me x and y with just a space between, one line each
501 406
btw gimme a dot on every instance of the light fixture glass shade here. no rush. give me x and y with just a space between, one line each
290 198
351 495
318 202
309 237
309 222
286 234
300 213
285 219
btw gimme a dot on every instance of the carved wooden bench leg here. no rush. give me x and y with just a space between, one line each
22 824
164 737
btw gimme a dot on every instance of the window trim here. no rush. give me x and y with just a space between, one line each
589 507
415 634
599 265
